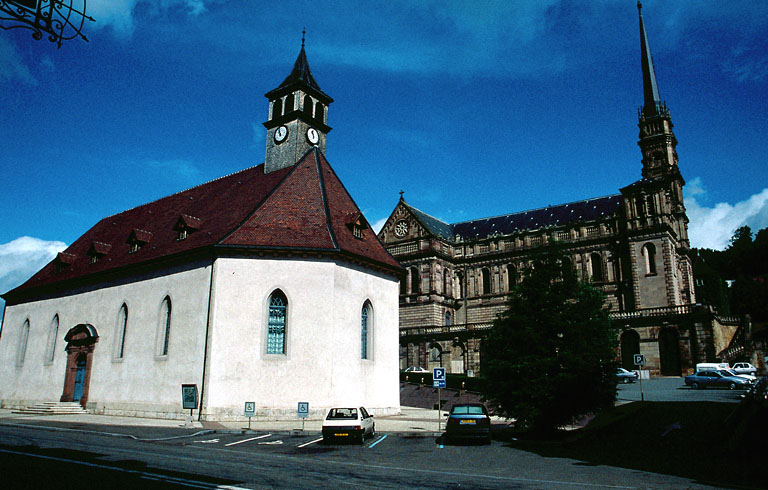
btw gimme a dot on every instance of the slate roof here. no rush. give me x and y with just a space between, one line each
300 77
300 208
560 215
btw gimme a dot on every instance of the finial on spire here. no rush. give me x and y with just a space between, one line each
303 32
639 5
401 194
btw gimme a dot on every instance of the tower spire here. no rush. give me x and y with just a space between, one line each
652 102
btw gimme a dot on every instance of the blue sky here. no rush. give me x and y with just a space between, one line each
474 108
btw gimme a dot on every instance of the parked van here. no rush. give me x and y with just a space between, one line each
708 366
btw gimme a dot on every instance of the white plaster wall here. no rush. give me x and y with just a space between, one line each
142 382
322 364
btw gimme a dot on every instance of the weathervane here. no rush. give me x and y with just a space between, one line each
58 18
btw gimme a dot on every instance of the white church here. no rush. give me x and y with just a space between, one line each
267 285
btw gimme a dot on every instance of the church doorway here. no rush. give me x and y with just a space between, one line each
81 341
669 352
630 345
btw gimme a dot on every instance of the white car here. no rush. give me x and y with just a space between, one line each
353 424
744 368
416 369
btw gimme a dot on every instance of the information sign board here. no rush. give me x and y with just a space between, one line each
250 409
189 396
303 410
639 360
438 377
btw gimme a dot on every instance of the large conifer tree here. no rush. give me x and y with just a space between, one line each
551 355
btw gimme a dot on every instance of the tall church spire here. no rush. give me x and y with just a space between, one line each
657 141
650 89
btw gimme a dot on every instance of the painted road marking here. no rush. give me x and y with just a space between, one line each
209 441
271 443
246 440
378 441
310 442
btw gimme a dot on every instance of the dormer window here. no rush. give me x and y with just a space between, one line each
356 223
137 239
98 250
63 261
185 225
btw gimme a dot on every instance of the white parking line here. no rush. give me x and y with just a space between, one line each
246 440
310 442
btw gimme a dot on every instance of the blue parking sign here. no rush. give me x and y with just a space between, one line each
438 377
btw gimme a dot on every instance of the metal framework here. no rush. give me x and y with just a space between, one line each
59 19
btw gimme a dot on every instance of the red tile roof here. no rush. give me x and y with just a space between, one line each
300 208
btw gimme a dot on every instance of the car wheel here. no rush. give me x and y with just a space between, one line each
626 381
695 386
731 385
373 431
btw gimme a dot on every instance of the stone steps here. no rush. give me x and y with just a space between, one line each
52 408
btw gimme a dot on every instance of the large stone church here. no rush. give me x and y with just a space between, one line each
267 285
633 245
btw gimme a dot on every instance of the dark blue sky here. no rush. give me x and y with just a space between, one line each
474 108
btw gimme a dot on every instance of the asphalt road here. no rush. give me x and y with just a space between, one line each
61 458
674 390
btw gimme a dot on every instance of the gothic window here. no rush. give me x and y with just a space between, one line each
365 322
278 305
596 262
649 254
486 281
165 325
319 112
122 323
447 318
277 108
289 103
308 105
415 280
23 342
640 206
52 334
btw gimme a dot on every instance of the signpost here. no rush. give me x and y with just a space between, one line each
189 397
640 362
438 381
249 411
303 412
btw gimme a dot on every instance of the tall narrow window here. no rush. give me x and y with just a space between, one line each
365 319
122 324
486 281
276 323
23 342
511 277
447 318
308 105
52 334
597 267
319 112
165 317
649 252
289 104
277 108
415 279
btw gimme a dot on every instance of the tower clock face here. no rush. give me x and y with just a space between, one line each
281 134
312 136
401 229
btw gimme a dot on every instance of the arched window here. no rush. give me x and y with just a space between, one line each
596 263
649 253
365 322
319 112
415 279
289 104
122 323
308 105
511 277
165 325
486 281
277 108
278 305
435 353
52 334
23 342
640 206
447 318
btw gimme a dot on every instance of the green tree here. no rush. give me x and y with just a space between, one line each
551 355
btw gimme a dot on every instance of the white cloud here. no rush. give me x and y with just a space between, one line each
119 14
178 166
377 226
12 67
712 227
23 257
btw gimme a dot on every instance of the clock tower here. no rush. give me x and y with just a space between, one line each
298 115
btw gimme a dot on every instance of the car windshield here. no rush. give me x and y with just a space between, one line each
728 372
467 410
342 414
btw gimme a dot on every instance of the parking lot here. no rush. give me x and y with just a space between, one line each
673 389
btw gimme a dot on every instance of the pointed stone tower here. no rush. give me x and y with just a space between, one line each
298 116
657 225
